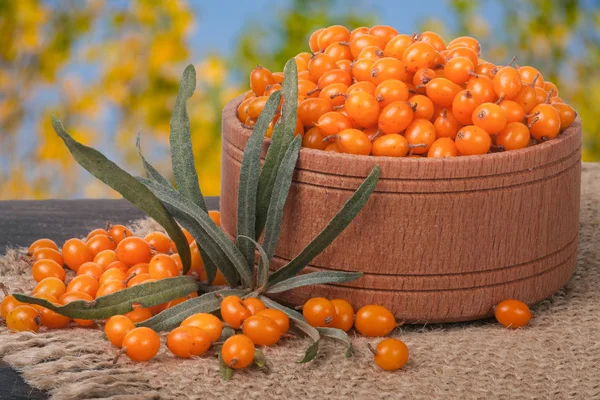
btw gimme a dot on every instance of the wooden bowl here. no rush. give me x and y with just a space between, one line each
440 240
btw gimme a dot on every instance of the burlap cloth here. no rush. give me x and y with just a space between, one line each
556 357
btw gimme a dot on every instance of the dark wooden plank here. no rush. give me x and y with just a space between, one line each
23 221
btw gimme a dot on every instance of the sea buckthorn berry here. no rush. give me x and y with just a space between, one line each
332 34
141 268
116 328
389 91
207 322
338 51
514 136
141 344
260 77
179 300
421 77
137 279
512 313
334 76
442 147
344 315
333 122
319 312
507 83
466 41
44 268
390 145
280 318
384 32
357 44
23 318
42 244
105 258
242 110
304 88
372 52
527 98
47 254
313 139
233 311
238 351
353 141
367 87
111 287
99 243
118 233
388 68
139 314
9 303
118 265
363 109
373 320
472 140
270 89
540 95
433 39
91 269
463 106
84 284
566 113
334 93
550 87
462 51
249 94
396 117
159 241
398 45
442 91
361 69
301 65
76 296
420 135
133 250
111 275
446 125
256 106
361 30
75 252
486 68
514 111
313 41
49 318
162 266
528 76
345 65
254 305
52 286
458 70
319 64
310 110
482 88
263 331
419 55
197 265
333 148
423 106
490 117
188 341
391 354
544 122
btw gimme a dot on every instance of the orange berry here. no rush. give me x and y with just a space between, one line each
319 312
215 215
442 91
111 275
463 106
118 233
99 243
91 269
514 111
398 45
207 322
388 68
507 83
238 351
8 304
446 125
395 117
138 279
472 140
260 77
442 147
111 287
487 69
482 88
116 328
42 244
263 331
490 117
310 110
45 268
391 354
47 254
338 51
423 106
333 122
313 41
137 269
254 305
158 241
367 87
458 69
334 76
344 314
233 311
139 314
76 296
389 91
49 318
105 258
383 32
52 286
530 75
373 320
433 39
544 122
420 132
466 41
566 113
358 43
133 250
419 55
141 344
514 136
319 64
313 139
361 69
96 232
362 108
512 313
353 141
278 316
23 318
162 266
84 284
188 341
75 252
390 145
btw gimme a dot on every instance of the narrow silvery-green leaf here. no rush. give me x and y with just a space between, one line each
260 359
110 173
174 316
283 134
226 333
338 334
225 370
249 173
314 278
147 294
182 156
281 188
264 264
339 222
150 170
211 238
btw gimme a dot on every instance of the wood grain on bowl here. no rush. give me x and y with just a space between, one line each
440 240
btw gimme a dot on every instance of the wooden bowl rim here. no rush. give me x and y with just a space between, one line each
552 151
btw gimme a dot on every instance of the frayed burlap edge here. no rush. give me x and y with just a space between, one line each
556 357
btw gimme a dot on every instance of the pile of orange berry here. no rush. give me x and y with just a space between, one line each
373 91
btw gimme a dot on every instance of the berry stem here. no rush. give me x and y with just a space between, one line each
371 349
376 135
4 289
327 138
497 148
108 225
311 92
119 354
500 100
533 121
512 61
412 146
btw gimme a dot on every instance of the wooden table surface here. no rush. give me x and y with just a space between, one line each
23 221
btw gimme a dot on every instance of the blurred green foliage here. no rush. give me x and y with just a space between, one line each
136 53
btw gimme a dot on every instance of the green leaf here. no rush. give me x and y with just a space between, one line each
211 238
182 156
225 370
249 173
331 231
150 170
226 333
146 294
135 192
293 314
281 188
314 278
260 359
310 353
263 265
283 134
338 334
172 317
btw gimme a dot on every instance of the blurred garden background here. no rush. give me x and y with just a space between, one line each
110 69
